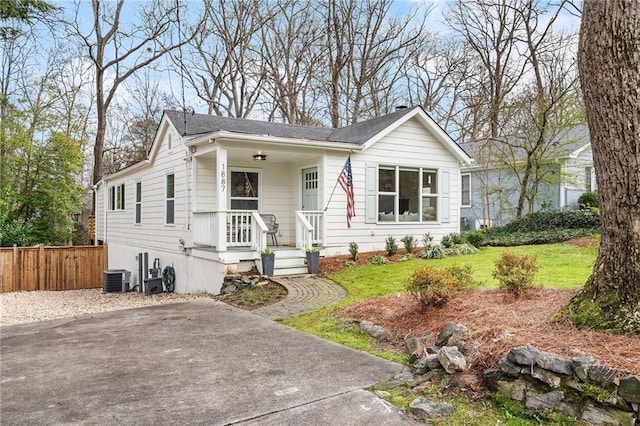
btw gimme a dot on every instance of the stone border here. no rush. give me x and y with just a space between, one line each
578 387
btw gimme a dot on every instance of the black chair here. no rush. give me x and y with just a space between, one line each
272 225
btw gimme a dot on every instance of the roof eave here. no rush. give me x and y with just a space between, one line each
272 140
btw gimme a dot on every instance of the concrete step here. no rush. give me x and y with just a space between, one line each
290 262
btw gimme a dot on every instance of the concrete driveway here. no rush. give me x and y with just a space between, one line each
200 362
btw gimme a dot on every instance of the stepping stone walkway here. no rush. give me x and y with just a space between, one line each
306 293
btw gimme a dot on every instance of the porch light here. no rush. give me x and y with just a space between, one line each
259 156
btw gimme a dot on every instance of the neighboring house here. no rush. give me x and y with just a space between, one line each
489 194
195 203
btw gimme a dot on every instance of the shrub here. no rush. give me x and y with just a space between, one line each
588 200
452 251
452 239
427 239
391 246
432 252
348 263
467 249
353 249
433 287
409 243
404 257
515 273
552 219
474 238
464 274
378 260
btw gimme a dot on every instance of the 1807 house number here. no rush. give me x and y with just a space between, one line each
223 178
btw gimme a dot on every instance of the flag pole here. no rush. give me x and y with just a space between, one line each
336 184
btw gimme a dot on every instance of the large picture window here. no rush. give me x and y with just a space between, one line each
244 191
407 194
170 199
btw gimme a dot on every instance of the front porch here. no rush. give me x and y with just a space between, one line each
236 236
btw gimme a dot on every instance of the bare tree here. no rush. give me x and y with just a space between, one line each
118 51
293 60
224 65
491 29
609 66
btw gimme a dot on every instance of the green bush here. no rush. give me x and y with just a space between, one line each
378 260
475 238
515 273
427 240
553 219
452 239
505 239
432 287
432 252
464 274
353 249
391 246
467 249
588 200
409 243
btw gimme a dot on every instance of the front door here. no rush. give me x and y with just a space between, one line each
310 188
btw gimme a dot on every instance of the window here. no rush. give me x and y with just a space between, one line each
465 187
116 197
404 192
169 142
587 179
138 213
244 190
170 191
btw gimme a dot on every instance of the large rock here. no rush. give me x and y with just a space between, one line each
509 367
600 416
523 355
375 331
451 359
514 389
542 400
450 329
429 409
629 388
580 366
547 377
414 346
554 363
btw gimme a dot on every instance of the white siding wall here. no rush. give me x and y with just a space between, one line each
100 211
152 235
205 184
410 145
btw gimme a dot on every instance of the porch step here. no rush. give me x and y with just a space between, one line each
290 262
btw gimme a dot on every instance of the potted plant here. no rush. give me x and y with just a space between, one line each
268 261
313 260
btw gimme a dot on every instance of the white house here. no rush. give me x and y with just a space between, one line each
195 202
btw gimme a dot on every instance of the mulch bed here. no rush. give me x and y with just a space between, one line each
497 321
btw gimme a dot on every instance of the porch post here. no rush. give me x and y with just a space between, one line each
221 198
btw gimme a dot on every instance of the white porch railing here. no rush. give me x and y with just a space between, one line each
309 228
244 228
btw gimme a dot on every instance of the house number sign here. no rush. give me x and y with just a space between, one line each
223 178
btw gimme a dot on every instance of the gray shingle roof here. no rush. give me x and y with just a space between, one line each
359 133
566 142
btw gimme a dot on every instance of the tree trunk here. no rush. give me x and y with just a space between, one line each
609 65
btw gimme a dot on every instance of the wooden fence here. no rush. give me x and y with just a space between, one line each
51 268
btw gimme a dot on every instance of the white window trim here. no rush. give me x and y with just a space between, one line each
245 170
166 198
462 189
116 198
396 192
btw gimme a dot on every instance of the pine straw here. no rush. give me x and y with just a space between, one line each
498 322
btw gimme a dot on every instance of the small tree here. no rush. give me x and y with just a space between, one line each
515 273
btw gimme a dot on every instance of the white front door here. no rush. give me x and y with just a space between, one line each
310 188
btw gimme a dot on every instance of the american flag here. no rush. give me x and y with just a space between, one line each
346 182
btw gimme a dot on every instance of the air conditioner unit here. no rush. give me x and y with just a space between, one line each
115 280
